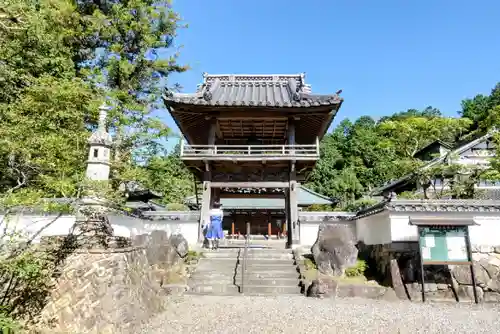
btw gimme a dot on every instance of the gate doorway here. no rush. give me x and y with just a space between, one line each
264 224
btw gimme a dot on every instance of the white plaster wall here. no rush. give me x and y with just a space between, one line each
487 232
28 225
52 225
374 229
188 229
309 230
401 230
398 229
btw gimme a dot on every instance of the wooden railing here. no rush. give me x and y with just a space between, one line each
249 152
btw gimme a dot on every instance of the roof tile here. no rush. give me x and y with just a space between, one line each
253 90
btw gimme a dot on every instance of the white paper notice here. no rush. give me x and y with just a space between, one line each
457 250
429 241
426 253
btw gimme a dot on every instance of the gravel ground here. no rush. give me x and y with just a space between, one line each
297 314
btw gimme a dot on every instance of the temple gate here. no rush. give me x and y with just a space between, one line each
256 135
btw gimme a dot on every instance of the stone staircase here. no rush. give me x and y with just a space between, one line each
269 271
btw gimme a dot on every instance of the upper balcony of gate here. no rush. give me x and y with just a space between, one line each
252 118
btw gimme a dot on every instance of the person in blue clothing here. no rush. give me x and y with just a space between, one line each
214 229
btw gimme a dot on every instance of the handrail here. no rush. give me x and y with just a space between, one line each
257 146
245 255
307 150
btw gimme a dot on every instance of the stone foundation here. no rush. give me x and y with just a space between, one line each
441 282
112 290
324 286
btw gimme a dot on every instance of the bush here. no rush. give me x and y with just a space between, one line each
309 263
177 207
358 270
193 255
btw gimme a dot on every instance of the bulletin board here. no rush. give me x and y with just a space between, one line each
444 244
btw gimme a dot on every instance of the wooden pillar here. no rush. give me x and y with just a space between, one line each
212 131
214 196
205 204
291 134
293 237
288 220
294 212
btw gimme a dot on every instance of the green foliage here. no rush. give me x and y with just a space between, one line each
479 110
309 263
176 207
360 204
408 135
359 156
169 176
60 60
357 270
193 256
449 180
318 208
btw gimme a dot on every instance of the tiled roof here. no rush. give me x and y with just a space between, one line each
253 90
451 205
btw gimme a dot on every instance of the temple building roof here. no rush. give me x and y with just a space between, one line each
276 90
240 104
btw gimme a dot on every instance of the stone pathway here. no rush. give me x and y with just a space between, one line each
297 314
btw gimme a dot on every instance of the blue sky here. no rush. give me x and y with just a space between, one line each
386 56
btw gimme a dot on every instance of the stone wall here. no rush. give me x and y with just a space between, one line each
441 282
112 290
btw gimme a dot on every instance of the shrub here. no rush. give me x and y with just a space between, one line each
177 207
309 263
193 255
357 270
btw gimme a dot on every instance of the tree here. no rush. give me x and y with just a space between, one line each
60 59
428 112
409 135
478 109
170 176
46 110
130 36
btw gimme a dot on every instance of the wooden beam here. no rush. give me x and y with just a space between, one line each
232 195
250 184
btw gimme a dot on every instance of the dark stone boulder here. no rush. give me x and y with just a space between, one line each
315 290
180 244
334 250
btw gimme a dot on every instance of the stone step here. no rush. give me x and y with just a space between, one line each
259 272
222 263
268 281
265 273
271 263
267 290
253 255
262 265
254 248
215 288
195 293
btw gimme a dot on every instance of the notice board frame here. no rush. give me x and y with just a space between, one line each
437 223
